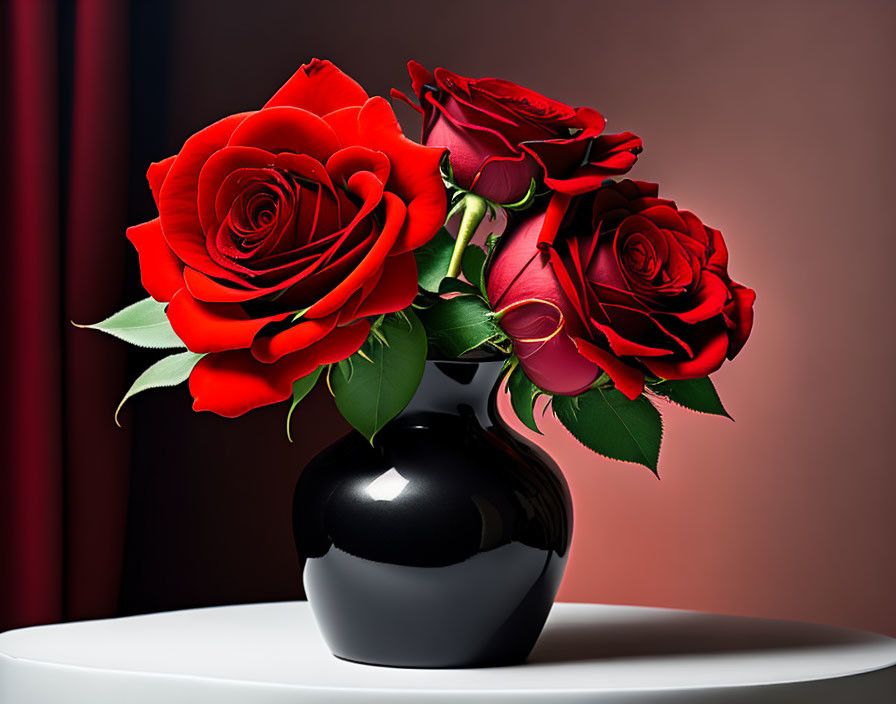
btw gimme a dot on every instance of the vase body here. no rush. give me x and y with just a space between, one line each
443 543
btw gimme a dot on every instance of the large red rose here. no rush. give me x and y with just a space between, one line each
617 281
501 136
281 232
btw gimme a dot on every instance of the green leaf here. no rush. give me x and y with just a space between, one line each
458 204
299 313
490 243
458 325
168 371
433 259
697 394
424 300
300 389
522 397
608 423
526 200
143 324
451 285
375 384
472 264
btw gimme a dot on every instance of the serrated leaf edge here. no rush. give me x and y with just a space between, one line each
655 389
295 401
653 469
131 392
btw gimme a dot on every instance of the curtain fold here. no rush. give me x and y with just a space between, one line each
96 452
63 487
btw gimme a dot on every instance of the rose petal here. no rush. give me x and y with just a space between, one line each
521 271
616 200
553 218
205 288
519 113
453 126
214 327
664 217
344 123
161 272
546 352
346 162
287 129
623 347
319 87
604 266
415 175
156 174
557 158
588 177
396 289
301 335
572 293
718 253
420 77
369 190
709 300
739 317
395 214
610 155
178 212
589 120
211 204
505 180
710 343
396 94
234 382
281 269
628 380
656 339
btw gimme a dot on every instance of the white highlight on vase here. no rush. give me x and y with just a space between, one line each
387 486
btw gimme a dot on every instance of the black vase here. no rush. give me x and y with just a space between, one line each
443 543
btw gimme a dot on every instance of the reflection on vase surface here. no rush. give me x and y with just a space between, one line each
443 543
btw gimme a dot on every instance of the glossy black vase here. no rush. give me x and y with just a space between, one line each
443 544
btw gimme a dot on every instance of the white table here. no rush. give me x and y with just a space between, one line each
272 654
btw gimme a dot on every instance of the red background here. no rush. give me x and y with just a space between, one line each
771 120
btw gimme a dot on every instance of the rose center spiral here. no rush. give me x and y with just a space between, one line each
262 202
640 257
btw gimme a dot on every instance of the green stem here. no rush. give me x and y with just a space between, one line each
474 210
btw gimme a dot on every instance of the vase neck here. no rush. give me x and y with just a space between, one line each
456 387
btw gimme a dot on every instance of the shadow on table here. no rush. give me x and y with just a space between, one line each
674 634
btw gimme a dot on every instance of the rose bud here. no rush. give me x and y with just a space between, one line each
501 136
283 232
617 281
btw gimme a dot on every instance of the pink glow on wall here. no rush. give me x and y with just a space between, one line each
770 123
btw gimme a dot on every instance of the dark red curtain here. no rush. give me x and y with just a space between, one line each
176 509
63 486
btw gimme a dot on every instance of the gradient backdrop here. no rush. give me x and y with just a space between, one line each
771 120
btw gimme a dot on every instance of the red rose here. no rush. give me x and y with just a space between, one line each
619 281
311 205
501 136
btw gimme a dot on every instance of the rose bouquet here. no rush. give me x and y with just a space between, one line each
306 243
